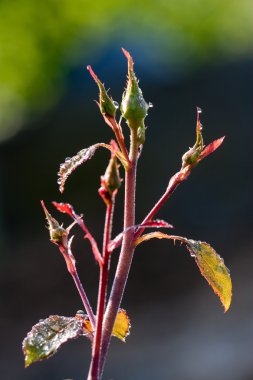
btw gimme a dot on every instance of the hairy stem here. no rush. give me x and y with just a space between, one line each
126 254
173 184
84 298
104 271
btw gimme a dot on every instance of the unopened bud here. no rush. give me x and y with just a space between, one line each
191 156
110 181
107 106
56 231
133 107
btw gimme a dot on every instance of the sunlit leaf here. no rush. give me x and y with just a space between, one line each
120 330
212 267
210 148
48 335
65 208
122 325
71 163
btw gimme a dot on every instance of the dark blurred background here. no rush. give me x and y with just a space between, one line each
188 53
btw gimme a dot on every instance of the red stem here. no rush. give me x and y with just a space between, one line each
94 247
71 266
84 298
120 138
173 184
104 271
91 239
126 254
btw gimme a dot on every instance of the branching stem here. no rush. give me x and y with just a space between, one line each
104 272
126 254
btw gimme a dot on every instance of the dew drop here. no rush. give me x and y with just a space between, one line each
80 312
59 181
199 110
67 159
116 104
150 105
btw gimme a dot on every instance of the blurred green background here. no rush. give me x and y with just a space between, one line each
188 53
42 41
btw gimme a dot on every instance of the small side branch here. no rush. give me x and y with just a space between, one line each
173 184
84 298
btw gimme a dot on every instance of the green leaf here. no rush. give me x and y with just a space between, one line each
48 335
212 267
122 325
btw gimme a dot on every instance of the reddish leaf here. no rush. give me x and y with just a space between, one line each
210 148
65 208
156 223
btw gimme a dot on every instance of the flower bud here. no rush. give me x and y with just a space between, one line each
107 106
110 181
57 233
191 156
133 107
